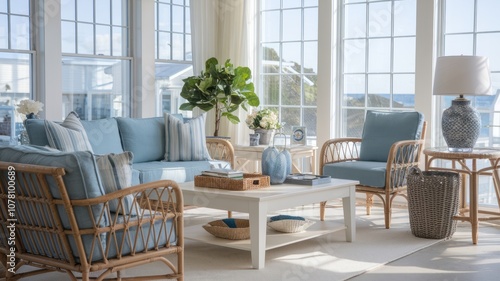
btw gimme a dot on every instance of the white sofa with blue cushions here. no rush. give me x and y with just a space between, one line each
145 138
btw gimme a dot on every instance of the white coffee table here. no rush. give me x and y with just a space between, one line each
257 203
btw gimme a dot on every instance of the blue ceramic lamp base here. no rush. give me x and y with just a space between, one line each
461 125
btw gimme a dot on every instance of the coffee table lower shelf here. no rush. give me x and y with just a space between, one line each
274 239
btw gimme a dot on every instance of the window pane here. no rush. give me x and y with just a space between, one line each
404 90
68 37
458 44
85 10
20 7
3 6
188 52
20 32
271 88
354 121
310 90
270 26
169 84
119 14
379 21
164 17
85 38
355 21
310 3
292 4
404 54
103 11
310 57
291 117
102 44
379 89
354 56
4 34
459 16
188 20
177 47
379 56
177 19
310 24
93 88
270 4
487 15
405 17
354 90
119 41
292 23
68 10
15 77
270 58
164 45
291 90
309 120
291 58
487 45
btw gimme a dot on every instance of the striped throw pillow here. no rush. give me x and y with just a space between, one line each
68 136
185 140
115 171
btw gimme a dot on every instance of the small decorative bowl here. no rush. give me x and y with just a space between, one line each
233 229
290 224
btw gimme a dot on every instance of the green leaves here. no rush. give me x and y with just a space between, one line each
224 85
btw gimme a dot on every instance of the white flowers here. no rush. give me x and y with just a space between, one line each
263 119
29 106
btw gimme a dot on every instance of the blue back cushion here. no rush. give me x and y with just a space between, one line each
36 132
383 128
144 137
103 135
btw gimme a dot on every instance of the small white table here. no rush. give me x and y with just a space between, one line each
258 203
245 154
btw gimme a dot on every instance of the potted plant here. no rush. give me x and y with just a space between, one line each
222 87
263 122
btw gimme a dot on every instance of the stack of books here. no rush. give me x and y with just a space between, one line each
223 173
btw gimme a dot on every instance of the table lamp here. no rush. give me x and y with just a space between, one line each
461 75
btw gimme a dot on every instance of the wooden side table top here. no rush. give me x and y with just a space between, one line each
477 153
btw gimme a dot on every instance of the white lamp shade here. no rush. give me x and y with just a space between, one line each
462 75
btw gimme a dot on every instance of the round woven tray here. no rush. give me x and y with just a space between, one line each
219 229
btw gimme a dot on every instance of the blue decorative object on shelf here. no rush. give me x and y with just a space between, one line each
275 163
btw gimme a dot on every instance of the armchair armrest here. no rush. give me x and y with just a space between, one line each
339 150
402 156
221 149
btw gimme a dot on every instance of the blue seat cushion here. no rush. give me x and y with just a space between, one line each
368 173
180 171
103 135
383 128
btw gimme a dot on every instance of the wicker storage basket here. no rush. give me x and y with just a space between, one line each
249 181
220 229
432 203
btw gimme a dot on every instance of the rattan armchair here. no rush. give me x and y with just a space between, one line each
48 236
345 152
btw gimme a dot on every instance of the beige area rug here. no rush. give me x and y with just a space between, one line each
328 257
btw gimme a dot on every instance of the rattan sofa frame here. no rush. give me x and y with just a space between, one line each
403 155
32 192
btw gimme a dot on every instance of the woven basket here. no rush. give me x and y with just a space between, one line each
290 226
219 229
432 203
249 181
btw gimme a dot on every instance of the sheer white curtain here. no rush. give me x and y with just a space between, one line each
225 29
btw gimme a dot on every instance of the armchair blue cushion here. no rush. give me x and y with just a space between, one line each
383 128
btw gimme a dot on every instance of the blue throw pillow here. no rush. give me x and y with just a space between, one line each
185 140
69 136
